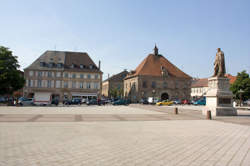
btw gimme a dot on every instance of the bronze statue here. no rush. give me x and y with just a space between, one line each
219 64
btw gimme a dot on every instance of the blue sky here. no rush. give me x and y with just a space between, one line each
121 33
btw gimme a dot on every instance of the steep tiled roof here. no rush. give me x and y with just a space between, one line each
80 60
118 77
152 65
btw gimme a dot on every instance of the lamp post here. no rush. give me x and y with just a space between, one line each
153 91
240 92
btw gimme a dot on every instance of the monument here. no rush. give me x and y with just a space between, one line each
219 97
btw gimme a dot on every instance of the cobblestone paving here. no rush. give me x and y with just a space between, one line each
124 137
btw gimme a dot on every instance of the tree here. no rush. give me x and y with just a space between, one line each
242 82
11 79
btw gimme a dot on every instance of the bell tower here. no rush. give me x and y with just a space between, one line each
155 50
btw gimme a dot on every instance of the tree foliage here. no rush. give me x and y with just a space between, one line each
242 83
11 78
116 93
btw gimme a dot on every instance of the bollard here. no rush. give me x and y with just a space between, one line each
209 116
175 110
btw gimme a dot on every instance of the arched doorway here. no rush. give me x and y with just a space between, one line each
164 96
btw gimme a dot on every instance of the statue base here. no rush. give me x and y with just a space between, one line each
219 99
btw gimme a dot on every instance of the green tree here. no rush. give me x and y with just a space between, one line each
11 78
242 82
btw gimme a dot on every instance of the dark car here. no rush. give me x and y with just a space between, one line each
76 101
66 102
144 101
92 102
121 102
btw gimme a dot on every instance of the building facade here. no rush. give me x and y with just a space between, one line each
114 83
199 87
63 75
158 78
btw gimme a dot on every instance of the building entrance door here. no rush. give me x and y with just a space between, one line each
164 96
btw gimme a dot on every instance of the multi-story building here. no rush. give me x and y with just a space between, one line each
62 74
114 84
157 77
199 87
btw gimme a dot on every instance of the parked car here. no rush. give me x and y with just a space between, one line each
76 101
3 100
152 100
247 102
92 102
177 101
121 102
25 101
185 101
164 102
200 102
66 102
144 101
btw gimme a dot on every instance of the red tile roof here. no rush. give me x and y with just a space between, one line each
152 65
203 82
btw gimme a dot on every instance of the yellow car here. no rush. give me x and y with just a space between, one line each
165 102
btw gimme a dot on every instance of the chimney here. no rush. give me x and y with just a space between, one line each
108 75
99 65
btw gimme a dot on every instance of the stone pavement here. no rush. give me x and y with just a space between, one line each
119 142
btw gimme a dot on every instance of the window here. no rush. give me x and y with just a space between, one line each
81 66
153 84
65 84
96 85
49 74
31 73
96 76
40 74
58 74
39 83
91 66
81 85
58 84
73 75
88 85
72 66
29 83
165 85
66 75
81 76
89 76
144 84
49 84
42 64
59 65
73 84
51 64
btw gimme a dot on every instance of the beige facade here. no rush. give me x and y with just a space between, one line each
63 80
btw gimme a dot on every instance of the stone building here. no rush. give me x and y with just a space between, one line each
63 74
115 82
157 77
199 87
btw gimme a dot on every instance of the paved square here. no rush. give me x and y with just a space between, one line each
107 136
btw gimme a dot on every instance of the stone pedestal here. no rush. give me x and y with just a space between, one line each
219 98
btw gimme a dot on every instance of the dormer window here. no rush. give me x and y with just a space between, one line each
59 65
91 66
81 66
51 64
42 64
72 66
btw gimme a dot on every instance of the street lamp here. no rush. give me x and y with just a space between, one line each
240 92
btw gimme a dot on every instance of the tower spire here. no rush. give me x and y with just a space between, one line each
155 50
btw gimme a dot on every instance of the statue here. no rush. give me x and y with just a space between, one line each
219 64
